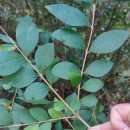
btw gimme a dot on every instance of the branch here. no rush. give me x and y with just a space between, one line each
40 122
88 45
47 83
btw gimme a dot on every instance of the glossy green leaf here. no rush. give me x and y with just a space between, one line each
75 105
78 125
54 114
93 85
27 35
36 91
75 79
63 69
45 55
58 125
32 127
46 126
7 47
21 115
59 105
5 117
109 41
99 68
70 38
89 101
10 62
68 14
21 78
5 39
38 113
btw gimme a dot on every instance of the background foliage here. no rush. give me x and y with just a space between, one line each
54 37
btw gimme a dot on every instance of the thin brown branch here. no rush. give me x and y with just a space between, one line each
40 122
13 100
47 83
88 46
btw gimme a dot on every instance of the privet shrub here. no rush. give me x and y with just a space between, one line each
30 68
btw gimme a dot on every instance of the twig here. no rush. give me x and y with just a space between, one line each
47 83
88 45
16 125
13 100
69 122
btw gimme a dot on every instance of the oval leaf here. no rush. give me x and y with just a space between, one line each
45 55
27 35
36 91
10 62
5 117
99 68
63 69
89 101
70 38
38 113
109 41
68 15
54 114
93 85
46 126
21 78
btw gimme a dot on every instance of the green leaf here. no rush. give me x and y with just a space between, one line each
63 69
75 79
45 55
58 125
27 35
7 47
5 117
21 115
70 38
59 105
89 101
93 85
99 68
78 125
21 78
54 114
36 91
68 15
46 126
75 105
5 39
109 41
10 62
32 127
38 113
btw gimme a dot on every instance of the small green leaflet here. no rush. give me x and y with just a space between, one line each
93 85
99 68
54 114
89 101
7 47
5 117
68 14
59 105
109 41
46 126
70 38
38 113
5 39
75 79
21 78
63 69
45 55
27 35
36 91
10 62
